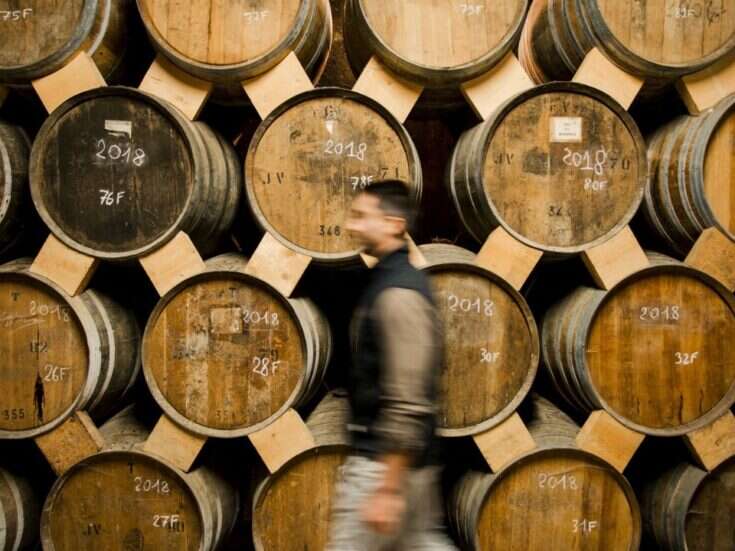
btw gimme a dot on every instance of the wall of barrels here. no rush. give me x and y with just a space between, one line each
177 281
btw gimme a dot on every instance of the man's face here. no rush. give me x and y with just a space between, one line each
371 226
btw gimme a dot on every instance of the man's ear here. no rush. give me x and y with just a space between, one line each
398 225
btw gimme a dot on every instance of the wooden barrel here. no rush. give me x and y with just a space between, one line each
311 156
116 173
122 498
653 351
292 508
688 509
656 39
60 353
555 497
19 513
232 41
437 44
691 187
39 37
491 342
15 148
561 167
224 354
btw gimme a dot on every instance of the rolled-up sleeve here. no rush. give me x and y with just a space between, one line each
409 342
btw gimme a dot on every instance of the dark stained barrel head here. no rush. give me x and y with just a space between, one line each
125 501
312 156
44 356
658 350
224 354
113 172
709 519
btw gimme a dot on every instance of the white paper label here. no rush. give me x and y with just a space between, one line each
120 127
566 129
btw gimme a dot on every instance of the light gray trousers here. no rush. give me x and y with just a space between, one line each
420 528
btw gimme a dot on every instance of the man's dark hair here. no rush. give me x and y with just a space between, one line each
395 199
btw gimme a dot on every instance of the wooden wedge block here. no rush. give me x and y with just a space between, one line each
504 255
502 444
170 83
69 443
67 268
615 259
172 263
415 256
272 88
489 91
704 89
282 440
605 437
277 265
77 76
601 73
175 444
394 93
714 254
715 443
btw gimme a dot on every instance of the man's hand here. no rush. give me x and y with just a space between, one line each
384 510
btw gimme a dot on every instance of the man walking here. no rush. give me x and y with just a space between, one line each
388 498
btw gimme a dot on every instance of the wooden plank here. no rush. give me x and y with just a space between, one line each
176 445
272 88
704 89
282 440
77 76
170 83
615 259
392 92
69 443
489 91
601 73
69 269
714 254
608 439
505 442
509 258
715 443
277 265
172 263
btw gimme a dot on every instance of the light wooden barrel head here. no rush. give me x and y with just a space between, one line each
35 30
719 174
223 33
490 350
559 500
43 356
112 172
668 33
311 157
712 512
292 510
121 501
659 350
443 34
563 170
224 354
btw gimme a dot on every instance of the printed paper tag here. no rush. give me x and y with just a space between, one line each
566 129
120 127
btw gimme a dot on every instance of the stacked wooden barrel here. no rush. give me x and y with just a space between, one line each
60 353
561 167
490 339
132 173
225 354
652 351
554 497
655 39
14 196
691 186
317 151
122 498
19 512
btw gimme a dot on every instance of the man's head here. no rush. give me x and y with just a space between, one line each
380 216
